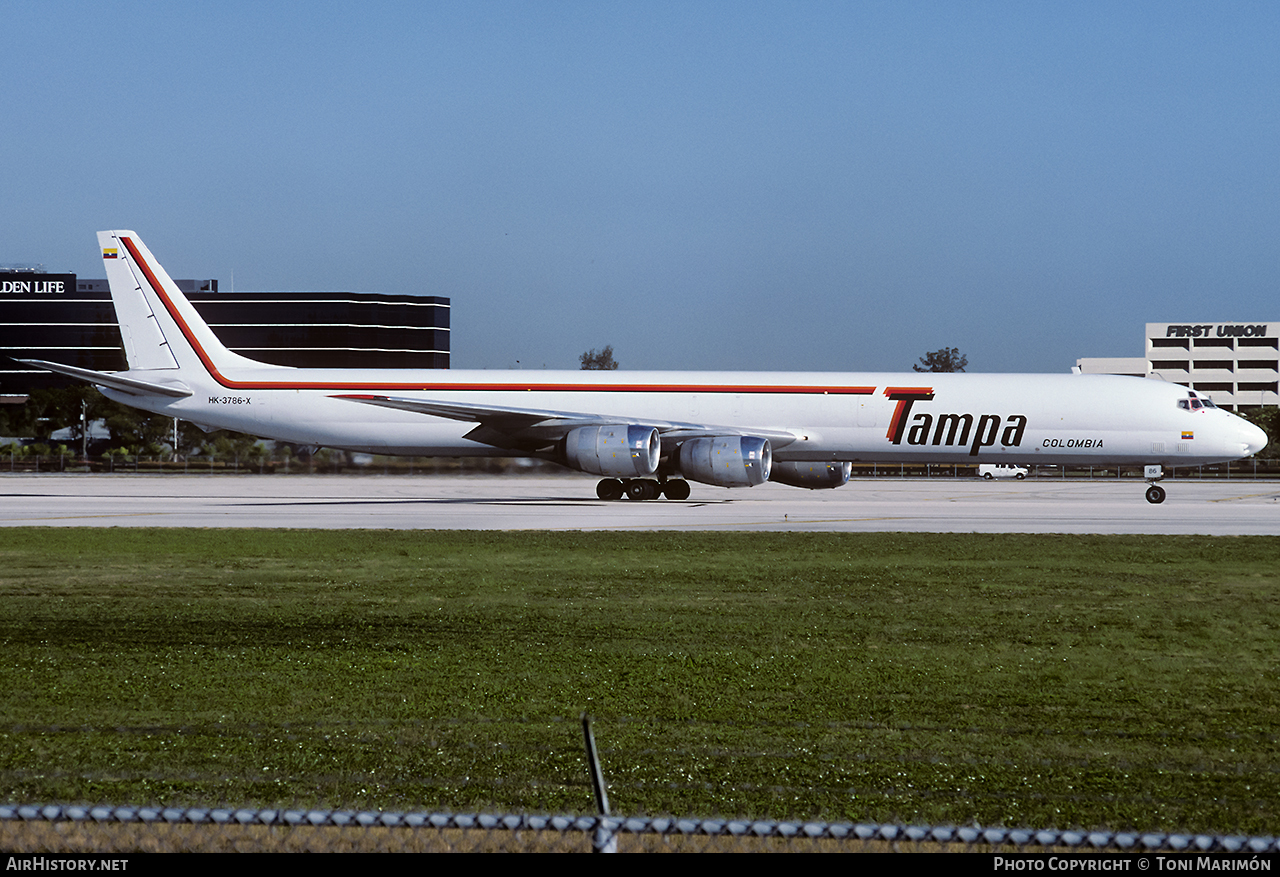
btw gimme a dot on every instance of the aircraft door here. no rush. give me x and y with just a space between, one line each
868 413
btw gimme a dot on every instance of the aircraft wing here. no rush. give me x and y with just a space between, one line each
505 427
175 389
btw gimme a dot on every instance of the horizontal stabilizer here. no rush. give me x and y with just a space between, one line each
174 389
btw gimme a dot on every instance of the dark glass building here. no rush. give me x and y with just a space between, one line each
62 318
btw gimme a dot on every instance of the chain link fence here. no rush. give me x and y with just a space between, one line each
309 786
101 829
61 828
24 459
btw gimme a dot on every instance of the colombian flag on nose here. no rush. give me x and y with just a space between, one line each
1187 435
109 253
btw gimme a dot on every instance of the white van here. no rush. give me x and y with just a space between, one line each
1002 470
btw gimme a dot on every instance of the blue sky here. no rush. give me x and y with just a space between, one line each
817 186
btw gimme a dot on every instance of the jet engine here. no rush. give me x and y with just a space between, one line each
624 450
727 460
815 476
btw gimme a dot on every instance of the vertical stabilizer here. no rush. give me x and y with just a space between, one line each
160 328
145 344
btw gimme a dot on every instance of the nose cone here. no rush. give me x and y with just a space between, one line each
1253 437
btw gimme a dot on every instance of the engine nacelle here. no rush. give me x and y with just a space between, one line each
815 476
622 450
727 460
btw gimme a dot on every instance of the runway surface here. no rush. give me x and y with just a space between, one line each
569 503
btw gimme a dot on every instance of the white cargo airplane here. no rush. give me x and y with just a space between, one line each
641 430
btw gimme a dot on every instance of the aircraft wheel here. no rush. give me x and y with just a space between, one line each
641 489
676 488
609 489
988 476
1155 494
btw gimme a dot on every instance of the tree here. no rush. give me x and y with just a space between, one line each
602 361
948 359
53 408
1268 418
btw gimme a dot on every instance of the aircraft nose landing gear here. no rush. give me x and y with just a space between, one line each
1155 493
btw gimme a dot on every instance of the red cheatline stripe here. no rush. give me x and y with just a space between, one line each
230 384
897 393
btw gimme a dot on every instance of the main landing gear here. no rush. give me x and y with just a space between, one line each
611 489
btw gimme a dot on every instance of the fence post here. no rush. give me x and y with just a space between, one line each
604 840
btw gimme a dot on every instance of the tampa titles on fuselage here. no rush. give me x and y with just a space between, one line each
952 429
650 433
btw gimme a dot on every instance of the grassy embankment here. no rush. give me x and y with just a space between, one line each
1058 681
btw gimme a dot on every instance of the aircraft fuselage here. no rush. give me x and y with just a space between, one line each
860 417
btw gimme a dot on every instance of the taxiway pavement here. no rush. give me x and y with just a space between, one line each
942 505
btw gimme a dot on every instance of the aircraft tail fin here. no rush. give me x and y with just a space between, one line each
159 327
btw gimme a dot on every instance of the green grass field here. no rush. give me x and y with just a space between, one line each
1055 681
